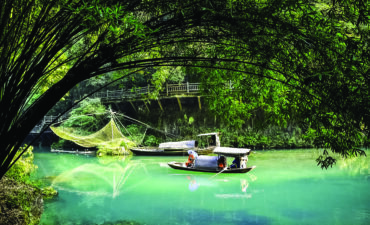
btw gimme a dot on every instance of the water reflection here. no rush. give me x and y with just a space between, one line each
229 186
106 178
193 185
244 185
243 191
355 165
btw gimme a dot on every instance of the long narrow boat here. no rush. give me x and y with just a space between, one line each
212 163
182 166
180 147
79 152
157 152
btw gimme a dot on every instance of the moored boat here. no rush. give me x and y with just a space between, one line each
218 164
181 147
156 151
79 152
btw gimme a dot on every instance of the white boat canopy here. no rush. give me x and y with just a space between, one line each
232 151
178 145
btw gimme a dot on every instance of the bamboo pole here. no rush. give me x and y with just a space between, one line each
179 101
199 103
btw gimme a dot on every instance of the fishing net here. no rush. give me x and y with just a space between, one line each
109 137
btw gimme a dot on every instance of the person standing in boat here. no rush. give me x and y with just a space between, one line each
192 156
243 162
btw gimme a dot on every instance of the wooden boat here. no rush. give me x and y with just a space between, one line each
181 147
157 151
211 163
182 166
168 152
79 152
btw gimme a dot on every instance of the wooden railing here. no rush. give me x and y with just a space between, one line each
170 89
45 121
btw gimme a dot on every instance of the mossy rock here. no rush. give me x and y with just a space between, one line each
20 203
49 192
112 152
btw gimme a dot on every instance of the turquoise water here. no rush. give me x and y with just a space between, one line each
285 188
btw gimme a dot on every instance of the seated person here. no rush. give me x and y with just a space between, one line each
221 162
236 163
192 156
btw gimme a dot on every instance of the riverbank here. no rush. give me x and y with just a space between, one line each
21 199
20 203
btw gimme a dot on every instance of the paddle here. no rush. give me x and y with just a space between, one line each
219 172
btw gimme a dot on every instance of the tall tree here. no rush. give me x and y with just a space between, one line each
317 53
39 37
291 42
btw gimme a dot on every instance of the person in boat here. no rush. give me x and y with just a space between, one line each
192 156
221 162
243 162
236 162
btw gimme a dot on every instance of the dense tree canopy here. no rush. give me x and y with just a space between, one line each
307 58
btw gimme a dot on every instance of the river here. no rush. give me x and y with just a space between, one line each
287 187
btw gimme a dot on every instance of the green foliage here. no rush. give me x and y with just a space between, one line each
270 138
165 74
49 192
135 133
191 120
151 140
285 59
102 151
23 168
308 64
63 144
89 117
21 196
20 203
139 135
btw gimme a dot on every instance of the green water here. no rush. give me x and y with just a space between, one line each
286 188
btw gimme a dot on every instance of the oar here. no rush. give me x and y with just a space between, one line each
219 172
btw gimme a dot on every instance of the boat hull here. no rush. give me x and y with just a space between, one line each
182 166
157 152
79 152
168 152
